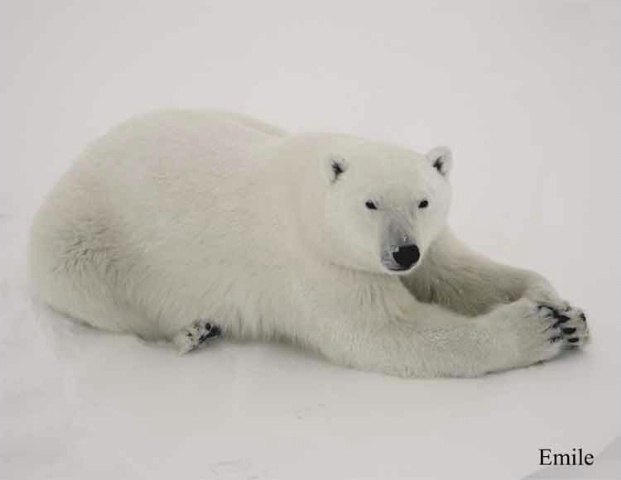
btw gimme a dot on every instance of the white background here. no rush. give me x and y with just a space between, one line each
527 95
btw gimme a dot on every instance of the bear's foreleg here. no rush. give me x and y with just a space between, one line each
438 342
458 278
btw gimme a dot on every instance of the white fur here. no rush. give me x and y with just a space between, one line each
178 216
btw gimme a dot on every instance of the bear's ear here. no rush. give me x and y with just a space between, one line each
441 159
334 166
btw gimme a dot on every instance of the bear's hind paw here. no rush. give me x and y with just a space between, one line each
192 337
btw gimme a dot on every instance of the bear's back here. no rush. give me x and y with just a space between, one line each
223 142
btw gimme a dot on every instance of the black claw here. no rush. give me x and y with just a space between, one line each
583 317
561 319
568 330
573 340
208 326
555 339
214 332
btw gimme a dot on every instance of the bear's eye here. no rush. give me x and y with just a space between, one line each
423 204
370 205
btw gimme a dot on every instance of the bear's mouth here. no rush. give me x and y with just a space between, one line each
393 267
399 269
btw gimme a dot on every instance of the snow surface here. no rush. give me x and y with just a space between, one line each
527 94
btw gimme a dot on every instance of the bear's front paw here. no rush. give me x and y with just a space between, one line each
530 332
571 324
541 291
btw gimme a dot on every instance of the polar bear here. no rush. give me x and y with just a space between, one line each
180 225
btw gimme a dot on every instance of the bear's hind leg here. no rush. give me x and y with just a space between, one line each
193 336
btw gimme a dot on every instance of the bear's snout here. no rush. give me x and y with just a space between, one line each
406 255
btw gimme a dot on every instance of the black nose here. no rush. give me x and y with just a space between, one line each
406 255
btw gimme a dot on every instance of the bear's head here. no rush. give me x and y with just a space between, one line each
372 206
